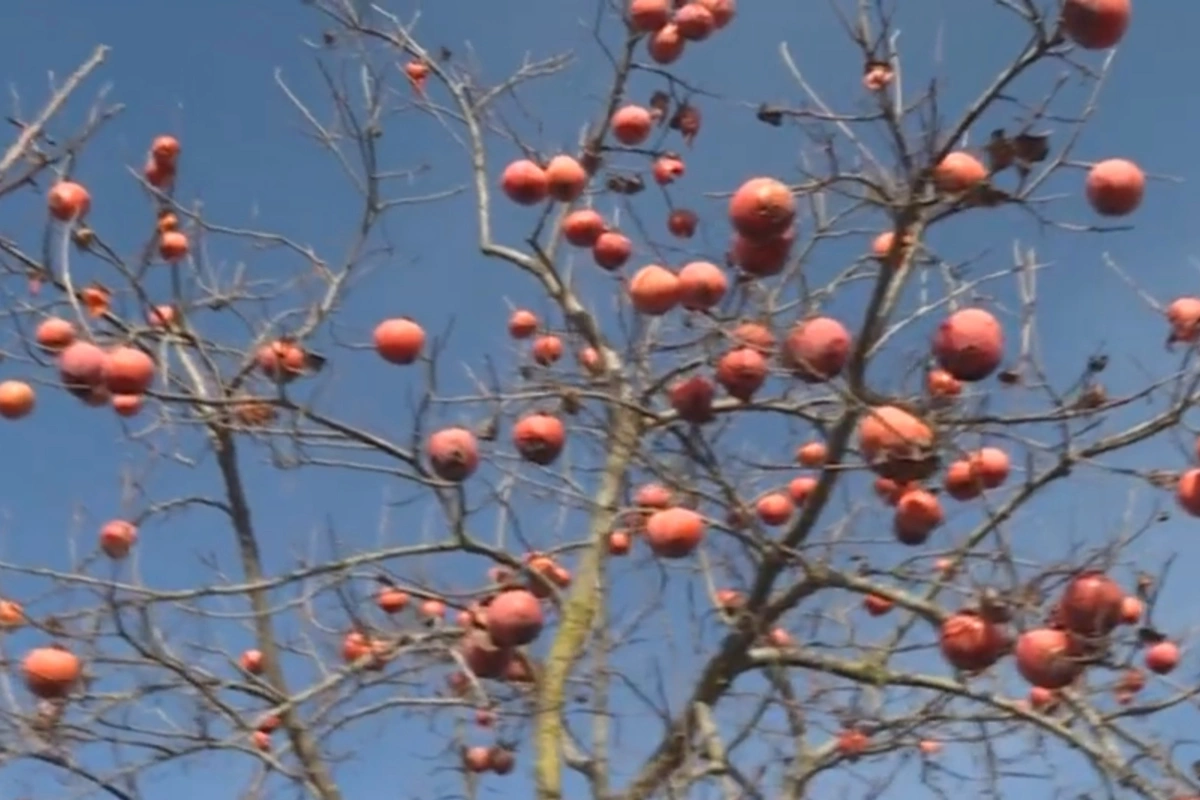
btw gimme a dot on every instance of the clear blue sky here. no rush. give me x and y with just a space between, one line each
205 72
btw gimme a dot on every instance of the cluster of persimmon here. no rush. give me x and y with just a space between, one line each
669 28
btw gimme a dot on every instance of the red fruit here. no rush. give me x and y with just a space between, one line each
762 258
81 366
17 399
1096 24
583 227
888 433
54 334
1183 315
648 16
619 543
565 178
959 172
252 661
722 11
969 642
692 399
812 454
1131 610
1162 658
877 606
68 200
695 22
817 349
961 481
399 341
666 45
654 290
774 509
969 344
281 360
522 324
942 384
1041 698
702 285
126 405
165 150
1115 187
539 438
453 454
51 672
547 350
1091 604
742 372
1047 658
117 538
682 223
391 600
525 182
173 246
762 208
128 370
611 250
477 759
755 336
990 466
674 532
1187 492
668 169
514 618
632 125
800 488
917 514
652 496
482 656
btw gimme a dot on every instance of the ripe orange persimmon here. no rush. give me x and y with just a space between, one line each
173 246
774 509
81 366
547 349
611 250
668 169
54 334
631 125
817 349
969 344
252 661
117 538
702 285
68 200
453 454
281 360
525 183
762 208
756 336
391 600
812 454
12 615
958 172
1096 24
126 405
565 178
539 437
522 324
742 371
1115 187
128 370
692 398
51 672
887 432
917 513
682 223
514 618
648 16
695 22
165 150
1183 315
722 11
674 532
17 399
666 45
399 341
764 257
583 227
654 290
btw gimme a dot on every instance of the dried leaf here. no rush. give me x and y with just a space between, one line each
1032 148
770 115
